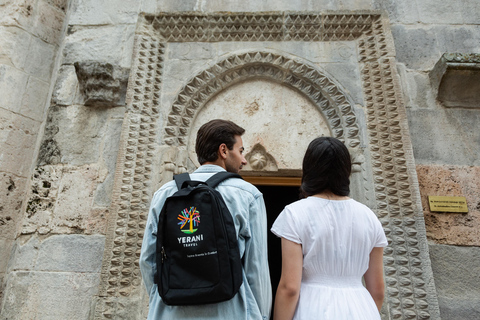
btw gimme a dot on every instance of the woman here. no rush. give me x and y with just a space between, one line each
329 241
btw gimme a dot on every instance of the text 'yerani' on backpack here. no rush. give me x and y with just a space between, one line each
197 252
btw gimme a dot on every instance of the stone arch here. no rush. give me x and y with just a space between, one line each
296 73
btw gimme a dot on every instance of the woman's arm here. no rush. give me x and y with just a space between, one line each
374 277
288 290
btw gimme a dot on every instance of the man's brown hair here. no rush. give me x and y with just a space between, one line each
211 135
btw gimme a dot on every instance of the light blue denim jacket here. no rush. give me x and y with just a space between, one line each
254 299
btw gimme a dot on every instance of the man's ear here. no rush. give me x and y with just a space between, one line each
222 151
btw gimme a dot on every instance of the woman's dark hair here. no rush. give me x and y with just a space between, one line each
326 166
211 135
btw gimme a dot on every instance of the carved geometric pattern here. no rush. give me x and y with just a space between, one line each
239 67
406 276
120 270
215 27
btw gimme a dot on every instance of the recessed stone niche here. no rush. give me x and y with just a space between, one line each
339 65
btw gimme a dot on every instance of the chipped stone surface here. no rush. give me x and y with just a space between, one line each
61 200
12 189
451 228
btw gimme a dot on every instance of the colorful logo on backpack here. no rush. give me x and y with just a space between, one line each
189 219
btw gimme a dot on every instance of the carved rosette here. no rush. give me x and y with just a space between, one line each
406 274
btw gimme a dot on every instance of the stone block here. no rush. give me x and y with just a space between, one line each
456 80
416 47
263 6
18 135
470 12
435 136
34 103
461 39
24 253
71 253
451 228
91 12
112 44
456 271
103 195
86 126
61 199
5 250
66 91
18 13
12 87
417 89
40 59
49 295
448 12
14 46
49 22
402 12
12 192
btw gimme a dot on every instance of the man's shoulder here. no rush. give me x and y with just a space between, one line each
241 185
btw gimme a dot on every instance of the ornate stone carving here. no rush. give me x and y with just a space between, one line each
410 294
120 270
456 79
102 84
260 160
297 74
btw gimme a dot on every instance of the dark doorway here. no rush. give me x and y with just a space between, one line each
276 198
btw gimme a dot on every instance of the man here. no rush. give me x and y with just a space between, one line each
219 147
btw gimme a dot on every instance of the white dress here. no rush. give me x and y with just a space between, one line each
337 237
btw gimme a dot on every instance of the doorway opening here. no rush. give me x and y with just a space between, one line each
276 198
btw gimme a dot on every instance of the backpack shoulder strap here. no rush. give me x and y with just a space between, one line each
214 180
181 178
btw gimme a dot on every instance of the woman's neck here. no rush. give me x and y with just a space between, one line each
329 195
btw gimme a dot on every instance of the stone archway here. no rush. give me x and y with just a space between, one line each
303 77
386 147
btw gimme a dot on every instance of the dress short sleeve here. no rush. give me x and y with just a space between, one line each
380 237
285 226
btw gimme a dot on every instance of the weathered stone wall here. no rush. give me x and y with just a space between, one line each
60 208
445 139
31 33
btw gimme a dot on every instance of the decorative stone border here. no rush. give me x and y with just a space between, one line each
410 290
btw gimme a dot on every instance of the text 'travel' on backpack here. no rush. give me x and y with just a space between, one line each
198 260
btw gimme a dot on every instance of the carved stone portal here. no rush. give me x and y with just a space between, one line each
158 124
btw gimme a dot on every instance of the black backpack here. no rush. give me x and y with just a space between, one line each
198 260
